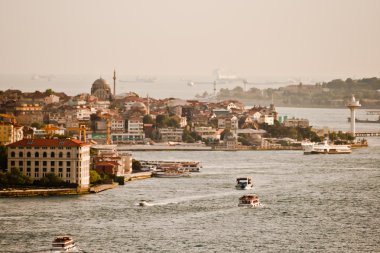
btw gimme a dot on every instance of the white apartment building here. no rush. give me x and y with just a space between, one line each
207 133
51 99
171 134
69 159
10 133
117 125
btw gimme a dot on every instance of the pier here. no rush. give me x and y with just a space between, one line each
367 134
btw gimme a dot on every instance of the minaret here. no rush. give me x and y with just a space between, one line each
114 82
352 105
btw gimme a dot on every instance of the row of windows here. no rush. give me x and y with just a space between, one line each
52 170
37 154
37 163
41 148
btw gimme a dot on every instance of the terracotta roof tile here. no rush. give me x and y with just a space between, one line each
48 143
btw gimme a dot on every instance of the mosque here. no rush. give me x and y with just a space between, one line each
102 90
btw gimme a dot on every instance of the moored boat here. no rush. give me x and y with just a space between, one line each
325 148
171 173
64 244
249 200
244 183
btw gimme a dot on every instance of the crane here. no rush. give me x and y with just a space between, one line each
80 129
11 117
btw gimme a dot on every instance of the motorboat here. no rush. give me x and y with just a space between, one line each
143 203
325 148
244 183
64 244
249 200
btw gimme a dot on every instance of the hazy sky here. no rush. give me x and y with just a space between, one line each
247 37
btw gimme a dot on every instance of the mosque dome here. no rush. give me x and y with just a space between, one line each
100 84
101 89
139 106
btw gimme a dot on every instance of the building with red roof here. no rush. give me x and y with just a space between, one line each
69 159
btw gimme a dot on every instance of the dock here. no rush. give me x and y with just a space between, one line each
366 134
102 187
137 176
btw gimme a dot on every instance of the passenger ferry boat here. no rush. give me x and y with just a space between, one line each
325 148
64 244
249 200
244 183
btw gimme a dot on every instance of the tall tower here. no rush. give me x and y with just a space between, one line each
352 105
114 82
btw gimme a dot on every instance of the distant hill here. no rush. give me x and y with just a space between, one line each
331 94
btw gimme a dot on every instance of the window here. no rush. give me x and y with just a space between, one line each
52 170
36 163
44 163
60 169
68 154
68 163
60 163
60 155
13 154
44 154
52 154
21 163
36 154
20 154
44 169
28 154
52 163
13 163
28 163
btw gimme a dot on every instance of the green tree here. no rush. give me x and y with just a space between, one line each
136 165
147 119
49 92
94 177
160 120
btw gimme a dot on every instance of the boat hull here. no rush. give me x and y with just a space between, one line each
249 205
243 187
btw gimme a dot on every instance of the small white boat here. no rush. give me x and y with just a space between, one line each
249 200
325 148
244 183
64 244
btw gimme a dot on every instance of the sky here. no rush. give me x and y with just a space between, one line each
191 37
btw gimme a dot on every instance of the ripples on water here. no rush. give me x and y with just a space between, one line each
326 203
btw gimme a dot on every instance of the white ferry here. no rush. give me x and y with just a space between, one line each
249 200
64 244
325 148
244 183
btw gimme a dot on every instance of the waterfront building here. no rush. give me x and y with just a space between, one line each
170 134
69 159
293 122
108 160
117 124
208 133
